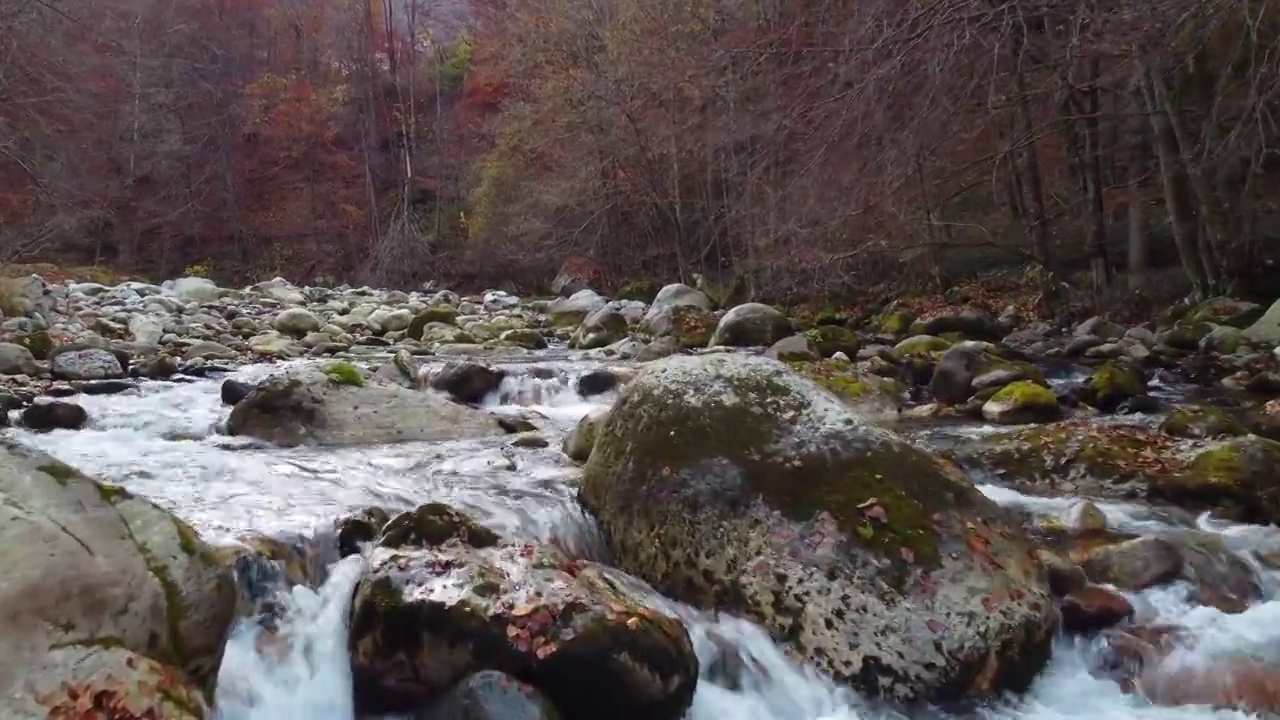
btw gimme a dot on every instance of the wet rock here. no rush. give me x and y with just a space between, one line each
425 618
1084 516
966 322
578 443
529 440
86 364
446 315
1093 608
491 695
55 415
1201 422
1135 564
434 524
689 325
751 325
1219 577
359 528
878 562
233 391
597 382
515 425
17 360
831 339
1237 683
94 575
1021 402
466 382
308 407
1064 575
1236 479
265 566
602 327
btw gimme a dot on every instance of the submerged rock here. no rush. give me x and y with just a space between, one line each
100 582
467 382
491 695
424 618
731 482
55 415
309 407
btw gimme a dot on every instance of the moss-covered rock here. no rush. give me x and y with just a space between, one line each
927 345
968 367
442 314
1201 421
424 619
893 324
1237 480
359 528
641 290
831 339
343 373
1238 314
875 560
491 695
848 382
796 348
90 568
578 443
1111 384
1022 402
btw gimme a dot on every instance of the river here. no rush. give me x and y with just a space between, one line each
162 441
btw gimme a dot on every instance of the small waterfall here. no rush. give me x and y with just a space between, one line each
300 672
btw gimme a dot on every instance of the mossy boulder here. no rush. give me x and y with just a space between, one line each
732 482
96 577
1201 421
425 618
847 381
831 339
751 325
1111 384
893 324
796 348
442 314
640 290
343 373
1238 314
527 338
437 333
968 367
359 528
926 345
1022 402
1236 480
578 443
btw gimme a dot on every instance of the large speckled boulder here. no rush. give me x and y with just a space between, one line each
310 406
732 482
102 591
452 601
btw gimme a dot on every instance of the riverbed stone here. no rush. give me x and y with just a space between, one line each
17 360
307 406
467 382
96 582
86 364
1022 402
426 617
54 415
751 325
874 560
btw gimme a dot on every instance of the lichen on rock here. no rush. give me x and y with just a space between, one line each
732 482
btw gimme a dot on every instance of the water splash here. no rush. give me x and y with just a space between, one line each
300 672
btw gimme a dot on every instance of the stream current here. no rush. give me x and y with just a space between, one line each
161 441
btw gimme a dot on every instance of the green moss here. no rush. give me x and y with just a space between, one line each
1201 422
641 290
59 471
844 379
343 373
383 594
1025 393
895 324
1112 384
107 642
830 339
1223 464
920 345
434 524
910 485
39 343
188 540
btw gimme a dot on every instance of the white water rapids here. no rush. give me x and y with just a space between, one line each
160 441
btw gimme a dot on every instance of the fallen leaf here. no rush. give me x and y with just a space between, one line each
545 650
633 623
907 555
868 503
936 627
512 631
523 609
877 512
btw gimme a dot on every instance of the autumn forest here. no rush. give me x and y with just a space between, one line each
789 148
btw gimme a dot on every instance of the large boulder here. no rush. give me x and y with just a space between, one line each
311 406
103 592
731 482
602 327
449 604
467 382
751 325
568 312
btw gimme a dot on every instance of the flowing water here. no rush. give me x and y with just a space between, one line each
162 441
